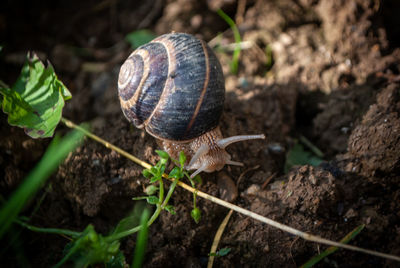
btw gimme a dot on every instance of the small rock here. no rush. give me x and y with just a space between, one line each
253 189
227 188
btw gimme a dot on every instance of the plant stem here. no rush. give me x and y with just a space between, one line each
49 230
170 191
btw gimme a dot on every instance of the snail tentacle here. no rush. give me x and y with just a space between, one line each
204 148
203 167
234 163
228 141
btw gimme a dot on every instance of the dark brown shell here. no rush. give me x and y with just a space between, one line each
172 86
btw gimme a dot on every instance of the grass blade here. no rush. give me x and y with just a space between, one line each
236 34
141 241
331 250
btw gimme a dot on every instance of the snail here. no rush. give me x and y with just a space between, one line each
174 88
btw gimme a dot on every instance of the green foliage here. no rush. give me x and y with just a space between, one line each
299 156
314 260
36 100
140 37
91 248
132 220
54 155
236 34
141 241
155 173
220 253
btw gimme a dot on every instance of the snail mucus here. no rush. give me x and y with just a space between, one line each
174 88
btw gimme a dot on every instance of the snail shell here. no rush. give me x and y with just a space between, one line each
174 88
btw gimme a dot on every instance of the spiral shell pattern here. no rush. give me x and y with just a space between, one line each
173 87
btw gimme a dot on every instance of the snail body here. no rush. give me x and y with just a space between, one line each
174 88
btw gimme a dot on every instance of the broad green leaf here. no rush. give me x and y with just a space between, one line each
36 100
140 37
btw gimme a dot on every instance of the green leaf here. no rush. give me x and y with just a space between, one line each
176 173
54 155
146 173
163 157
162 154
92 248
154 179
154 170
298 156
127 223
170 209
152 200
182 159
224 251
36 100
196 214
220 253
116 261
140 37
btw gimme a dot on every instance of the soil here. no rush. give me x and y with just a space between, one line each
333 76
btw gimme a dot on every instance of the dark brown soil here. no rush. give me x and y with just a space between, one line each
334 77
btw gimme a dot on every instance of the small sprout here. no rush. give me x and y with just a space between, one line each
220 253
196 214
152 200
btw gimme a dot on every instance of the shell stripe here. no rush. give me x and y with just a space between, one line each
205 86
146 70
169 46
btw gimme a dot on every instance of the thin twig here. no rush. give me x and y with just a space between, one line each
238 209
